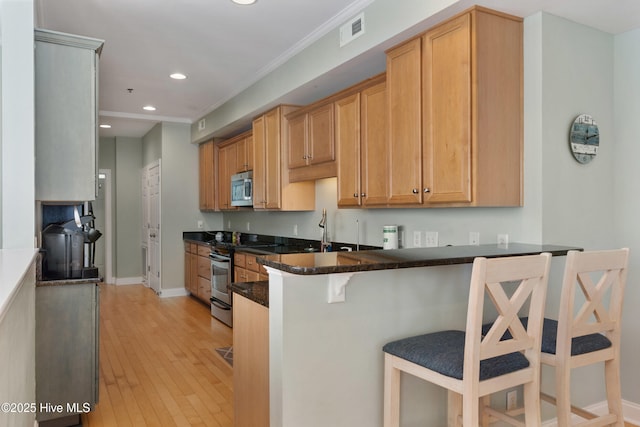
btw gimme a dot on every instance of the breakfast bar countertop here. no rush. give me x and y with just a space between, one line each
350 262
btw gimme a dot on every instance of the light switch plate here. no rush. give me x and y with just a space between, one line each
431 239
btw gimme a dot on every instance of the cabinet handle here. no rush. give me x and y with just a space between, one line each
309 157
426 190
355 194
304 157
363 194
415 191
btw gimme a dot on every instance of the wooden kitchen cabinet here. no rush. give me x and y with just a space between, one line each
247 269
244 152
207 176
198 271
455 113
190 268
404 121
472 106
226 165
66 114
361 141
250 363
272 188
311 143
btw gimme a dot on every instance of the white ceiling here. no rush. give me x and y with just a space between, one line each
224 47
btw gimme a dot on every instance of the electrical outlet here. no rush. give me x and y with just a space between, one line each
417 239
512 400
228 224
248 226
200 225
202 124
295 229
474 238
431 239
503 240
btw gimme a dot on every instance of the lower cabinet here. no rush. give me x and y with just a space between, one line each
197 271
247 269
250 363
67 349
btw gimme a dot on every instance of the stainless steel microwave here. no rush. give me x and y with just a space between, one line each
242 189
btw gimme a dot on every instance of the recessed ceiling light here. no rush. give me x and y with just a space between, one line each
178 76
149 108
244 1
105 126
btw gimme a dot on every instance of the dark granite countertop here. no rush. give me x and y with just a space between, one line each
66 282
255 291
266 243
347 262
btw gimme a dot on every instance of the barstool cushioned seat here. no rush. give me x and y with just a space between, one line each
443 352
579 345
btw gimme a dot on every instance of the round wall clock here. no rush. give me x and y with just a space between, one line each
584 138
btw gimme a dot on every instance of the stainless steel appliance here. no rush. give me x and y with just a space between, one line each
221 297
242 189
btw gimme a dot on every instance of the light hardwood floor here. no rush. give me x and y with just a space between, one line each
158 365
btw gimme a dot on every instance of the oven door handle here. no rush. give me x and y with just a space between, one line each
220 304
220 263
218 257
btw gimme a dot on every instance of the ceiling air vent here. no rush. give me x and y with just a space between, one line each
352 29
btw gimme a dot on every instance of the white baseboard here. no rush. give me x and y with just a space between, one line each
128 280
173 292
630 410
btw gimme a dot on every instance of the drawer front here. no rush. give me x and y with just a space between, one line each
253 265
204 289
239 274
204 250
239 259
204 267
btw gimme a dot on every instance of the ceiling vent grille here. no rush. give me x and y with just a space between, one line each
352 29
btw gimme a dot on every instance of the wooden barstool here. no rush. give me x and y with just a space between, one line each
469 364
589 333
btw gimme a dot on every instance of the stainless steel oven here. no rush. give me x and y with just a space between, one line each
221 298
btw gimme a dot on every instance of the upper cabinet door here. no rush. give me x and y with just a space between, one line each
404 115
374 148
297 141
447 112
347 111
321 137
206 153
66 109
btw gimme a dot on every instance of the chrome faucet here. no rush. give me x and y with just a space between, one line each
324 243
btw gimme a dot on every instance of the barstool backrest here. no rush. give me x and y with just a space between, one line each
490 277
591 299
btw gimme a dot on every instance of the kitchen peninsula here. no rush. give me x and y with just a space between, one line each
325 359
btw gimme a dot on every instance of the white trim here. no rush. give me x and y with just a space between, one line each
630 410
173 292
128 281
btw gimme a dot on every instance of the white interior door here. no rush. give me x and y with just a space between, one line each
154 227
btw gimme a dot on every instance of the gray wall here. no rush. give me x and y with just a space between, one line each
128 217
